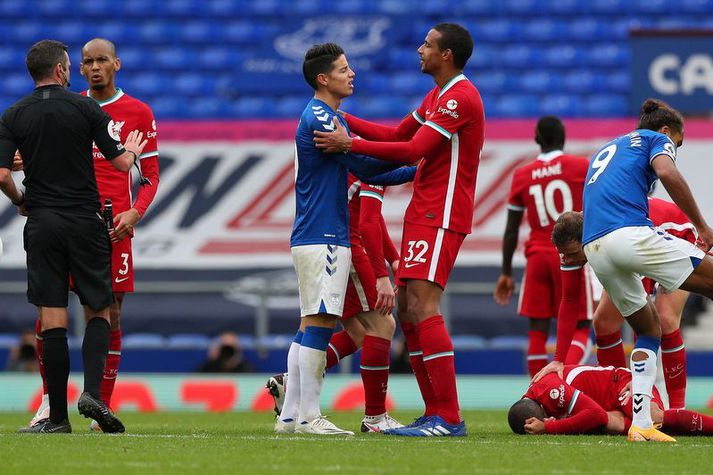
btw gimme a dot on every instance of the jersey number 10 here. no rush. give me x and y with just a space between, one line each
545 201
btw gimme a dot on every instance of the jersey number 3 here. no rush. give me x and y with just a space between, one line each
545 200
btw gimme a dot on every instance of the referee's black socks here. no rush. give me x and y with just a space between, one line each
55 356
94 350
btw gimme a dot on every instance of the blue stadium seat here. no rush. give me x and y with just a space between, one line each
9 340
248 341
378 106
187 9
97 9
273 341
250 107
406 81
145 84
168 107
582 81
264 7
188 340
172 58
394 7
133 58
206 107
402 58
495 82
695 6
608 55
619 82
521 56
373 83
612 8
123 34
139 8
484 57
16 84
218 58
468 342
143 340
513 342
605 105
540 82
25 33
564 56
544 30
516 105
479 8
354 7
246 31
562 105
194 84
157 32
11 58
566 8
290 107
199 32
658 7
523 7
54 8
15 9
496 31
303 7
588 30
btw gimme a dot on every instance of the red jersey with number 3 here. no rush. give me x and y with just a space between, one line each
127 114
546 188
444 186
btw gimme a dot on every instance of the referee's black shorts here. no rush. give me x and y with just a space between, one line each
59 243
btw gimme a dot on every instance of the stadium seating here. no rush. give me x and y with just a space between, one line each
551 53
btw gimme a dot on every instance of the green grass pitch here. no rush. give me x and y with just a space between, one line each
174 443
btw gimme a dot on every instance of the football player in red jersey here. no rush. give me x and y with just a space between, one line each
607 319
447 131
544 188
99 66
588 399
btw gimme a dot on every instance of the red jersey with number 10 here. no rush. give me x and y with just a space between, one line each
444 187
546 188
127 114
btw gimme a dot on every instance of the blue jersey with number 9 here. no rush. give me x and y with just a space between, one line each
618 181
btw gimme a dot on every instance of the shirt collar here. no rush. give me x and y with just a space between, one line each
549 156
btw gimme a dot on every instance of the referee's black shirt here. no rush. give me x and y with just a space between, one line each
54 130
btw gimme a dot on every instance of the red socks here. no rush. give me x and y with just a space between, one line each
681 421
419 369
340 346
578 351
439 363
374 369
38 340
673 358
610 350
111 369
536 351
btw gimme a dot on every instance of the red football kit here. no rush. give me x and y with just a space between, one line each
440 214
580 402
545 188
127 114
371 246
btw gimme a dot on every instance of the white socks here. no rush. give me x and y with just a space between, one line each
643 376
291 405
312 365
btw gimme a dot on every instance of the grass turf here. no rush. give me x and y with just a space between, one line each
244 443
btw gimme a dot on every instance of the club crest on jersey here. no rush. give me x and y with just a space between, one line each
452 104
554 394
114 129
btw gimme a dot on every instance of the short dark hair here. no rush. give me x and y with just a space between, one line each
568 228
457 39
549 132
320 59
656 113
521 411
43 57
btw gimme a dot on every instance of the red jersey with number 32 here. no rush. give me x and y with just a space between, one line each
444 186
546 188
127 114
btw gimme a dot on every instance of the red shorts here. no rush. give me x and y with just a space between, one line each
541 289
361 288
122 266
427 253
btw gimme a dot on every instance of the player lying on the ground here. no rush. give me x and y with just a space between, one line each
592 399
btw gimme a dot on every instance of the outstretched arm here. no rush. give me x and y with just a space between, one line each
383 133
395 177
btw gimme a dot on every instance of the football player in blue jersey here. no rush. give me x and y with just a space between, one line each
621 243
320 237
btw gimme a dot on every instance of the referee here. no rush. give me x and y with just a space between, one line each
53 130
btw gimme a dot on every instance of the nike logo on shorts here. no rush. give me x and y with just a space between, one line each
119 281
408 265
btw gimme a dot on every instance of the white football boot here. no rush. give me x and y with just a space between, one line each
379 423
320 426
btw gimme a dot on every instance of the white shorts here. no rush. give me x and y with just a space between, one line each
621 258
597 288
322 276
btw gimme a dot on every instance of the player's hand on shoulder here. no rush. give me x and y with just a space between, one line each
333 142
503 289
552 367
17 163
385 295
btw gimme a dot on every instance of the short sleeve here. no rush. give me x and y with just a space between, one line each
148 127
452 111
515 201
7 145
105 136
372 191
420 113
661 145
